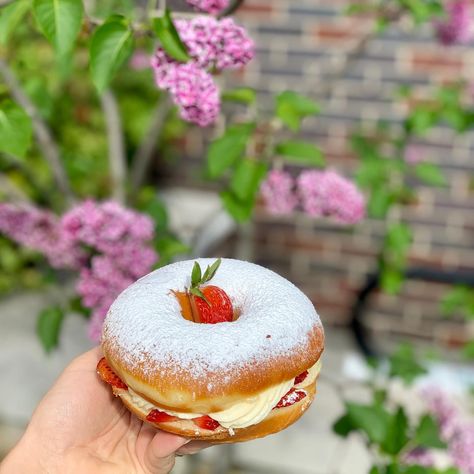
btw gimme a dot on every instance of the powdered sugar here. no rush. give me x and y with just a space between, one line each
145 321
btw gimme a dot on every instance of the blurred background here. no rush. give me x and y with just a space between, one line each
332 144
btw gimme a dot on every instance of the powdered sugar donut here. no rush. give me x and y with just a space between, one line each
223 382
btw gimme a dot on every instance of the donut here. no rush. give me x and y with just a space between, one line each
244 378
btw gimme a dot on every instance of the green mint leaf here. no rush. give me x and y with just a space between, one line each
196 275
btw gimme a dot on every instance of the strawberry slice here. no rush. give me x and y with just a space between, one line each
158 416
108 375
206 422
301 377
291 397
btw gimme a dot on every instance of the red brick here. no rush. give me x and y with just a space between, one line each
436 61
256 9
332 33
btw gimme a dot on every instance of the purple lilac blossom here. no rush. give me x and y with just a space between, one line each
458 26
326 193
414 154
278 192
455 429
106 243
39 230
419 456
209 6
212 45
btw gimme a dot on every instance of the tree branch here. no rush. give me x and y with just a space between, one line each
43 134
144 154
233 7
117 161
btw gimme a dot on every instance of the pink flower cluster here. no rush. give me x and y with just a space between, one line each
212 45
210 6
458 27
39 230
319 193
106 243
455 429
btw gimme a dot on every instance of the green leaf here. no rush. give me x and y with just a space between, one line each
244 95
468 350
430 173
372 420
196 275
396 437
302 153
380 202
169 37
391 280
211 270
197 292
343 426
375 470
398 238
239 210
427 433
111 45
169 246
459 299
10 17
15 129
246 179
60 21
226 150
421 120
292 107
157 211
403 364
48 327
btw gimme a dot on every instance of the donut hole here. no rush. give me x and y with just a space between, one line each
187 309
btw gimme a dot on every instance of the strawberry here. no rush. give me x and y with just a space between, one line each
301 377
206 423
108 375
158 416
290 398
209 304
215 307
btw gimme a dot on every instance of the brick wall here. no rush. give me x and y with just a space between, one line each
302 44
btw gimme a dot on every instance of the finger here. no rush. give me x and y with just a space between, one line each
194 447
159 454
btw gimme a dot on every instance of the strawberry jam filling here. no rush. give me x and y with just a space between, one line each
291 397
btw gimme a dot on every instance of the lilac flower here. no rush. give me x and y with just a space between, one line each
326 193
458 27
419 456
118 241
140 60
413 154
38 230
455 429
196 94
210 6
107 243
212 45
278 192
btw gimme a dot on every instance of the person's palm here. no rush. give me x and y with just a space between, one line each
80 427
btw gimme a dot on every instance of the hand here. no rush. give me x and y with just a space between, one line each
79 427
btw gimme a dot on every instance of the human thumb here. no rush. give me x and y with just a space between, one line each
160 453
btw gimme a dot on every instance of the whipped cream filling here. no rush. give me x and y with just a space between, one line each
248 412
